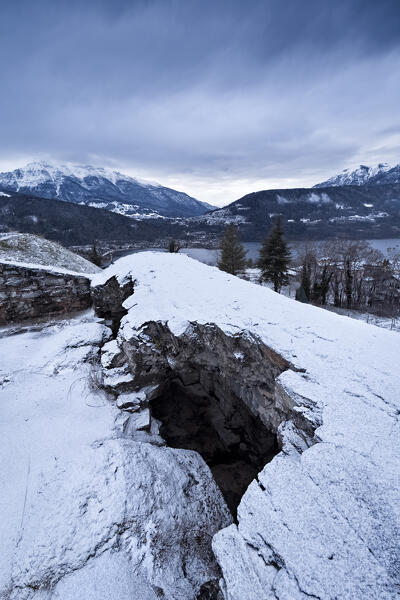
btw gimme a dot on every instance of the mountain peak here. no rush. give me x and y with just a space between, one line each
101 187
364 174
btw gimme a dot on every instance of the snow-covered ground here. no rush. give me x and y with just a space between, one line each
34 250
391 323
86 512
324 522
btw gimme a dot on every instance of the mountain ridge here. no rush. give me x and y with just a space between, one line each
100 187
354 211
380 174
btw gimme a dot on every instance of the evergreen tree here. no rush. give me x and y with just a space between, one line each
274 258
250 263
233 256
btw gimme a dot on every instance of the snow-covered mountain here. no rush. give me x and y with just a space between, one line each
355 211
379 174
101 188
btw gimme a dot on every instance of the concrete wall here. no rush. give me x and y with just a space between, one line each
27 293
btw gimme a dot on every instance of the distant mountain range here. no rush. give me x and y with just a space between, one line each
381 174
101 188
78 225
354 211
369 208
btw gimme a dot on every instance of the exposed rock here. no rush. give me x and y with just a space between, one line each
130 401
108 297
210 591
87 510
28 292
112 356
322 518
118 380
192 385
137 422
301 401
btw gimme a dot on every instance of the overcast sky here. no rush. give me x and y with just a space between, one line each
216 98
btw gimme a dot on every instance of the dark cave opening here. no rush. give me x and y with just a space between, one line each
233 442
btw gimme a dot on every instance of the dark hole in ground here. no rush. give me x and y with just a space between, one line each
235 444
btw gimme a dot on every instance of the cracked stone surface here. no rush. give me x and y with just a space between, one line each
88 511
322 519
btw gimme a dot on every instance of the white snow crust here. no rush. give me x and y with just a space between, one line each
322 523
358 176
36 173
86 511
33 251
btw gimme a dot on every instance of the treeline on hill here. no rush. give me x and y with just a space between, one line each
341 273
74 224
350 274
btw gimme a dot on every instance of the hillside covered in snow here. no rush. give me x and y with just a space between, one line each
129 445
101 188
322 518
34 250
378 175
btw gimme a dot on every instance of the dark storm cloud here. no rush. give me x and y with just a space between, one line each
273 89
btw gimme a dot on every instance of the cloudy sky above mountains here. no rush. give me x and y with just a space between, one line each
217 98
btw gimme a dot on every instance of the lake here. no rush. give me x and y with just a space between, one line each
210 256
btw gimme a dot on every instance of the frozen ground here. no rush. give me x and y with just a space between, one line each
391 323
85 511
34 250
321 522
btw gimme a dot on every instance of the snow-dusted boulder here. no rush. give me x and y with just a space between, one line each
322 518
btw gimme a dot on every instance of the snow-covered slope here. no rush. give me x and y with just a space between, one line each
87 512
101 188
322 518
34 250
378 174
94 509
